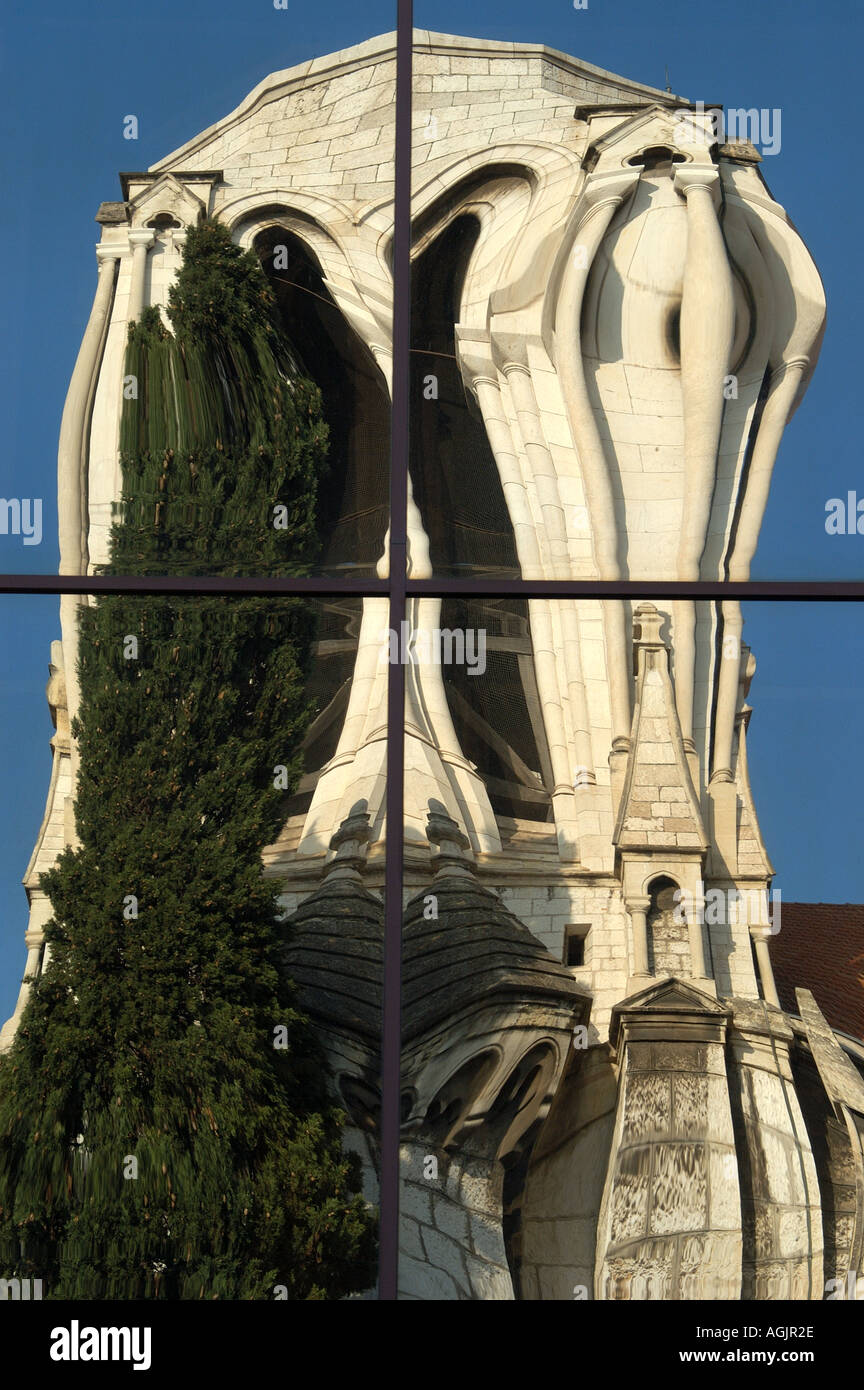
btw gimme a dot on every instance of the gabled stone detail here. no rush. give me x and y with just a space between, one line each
669 995
164 194
642 128
659 809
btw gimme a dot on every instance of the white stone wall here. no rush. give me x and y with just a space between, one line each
324 126
450 1241
483 93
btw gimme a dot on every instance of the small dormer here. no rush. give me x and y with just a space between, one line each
167 201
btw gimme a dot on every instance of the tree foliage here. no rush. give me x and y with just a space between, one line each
154 1142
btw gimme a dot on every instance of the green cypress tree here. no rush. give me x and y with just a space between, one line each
165 1131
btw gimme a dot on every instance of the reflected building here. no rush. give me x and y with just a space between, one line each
612 322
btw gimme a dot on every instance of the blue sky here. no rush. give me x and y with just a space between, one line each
69 76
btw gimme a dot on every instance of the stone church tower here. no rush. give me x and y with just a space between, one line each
613 322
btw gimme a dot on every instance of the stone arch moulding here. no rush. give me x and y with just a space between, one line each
655 875
529 1085
499 349
482 1090
326 228
352 256
456 1103
528 256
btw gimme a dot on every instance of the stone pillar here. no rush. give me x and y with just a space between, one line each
695 908
140 240
70 476
760 935
684 646
602 196
707 327
489 397
638 909
727 692
545 480
72 463
33 939
785 384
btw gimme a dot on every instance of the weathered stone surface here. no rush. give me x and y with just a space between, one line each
672 1199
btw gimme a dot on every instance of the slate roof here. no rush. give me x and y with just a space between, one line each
335 956
820 947
475 949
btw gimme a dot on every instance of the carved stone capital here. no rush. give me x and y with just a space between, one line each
140 238
696 176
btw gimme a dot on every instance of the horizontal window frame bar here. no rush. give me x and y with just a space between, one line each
780 590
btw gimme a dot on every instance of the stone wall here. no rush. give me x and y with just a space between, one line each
670 1222
450 1239
564 1183
780 1197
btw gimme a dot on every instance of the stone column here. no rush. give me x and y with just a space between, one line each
72 463
695 910
727 692
784 386
638 909
760 935
73 538
33 939
488 391
545 480
140 240
601 199
707 329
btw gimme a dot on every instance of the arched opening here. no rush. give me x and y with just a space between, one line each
497 715
657 158
453 471
356 405
668 935
353 499
164 222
